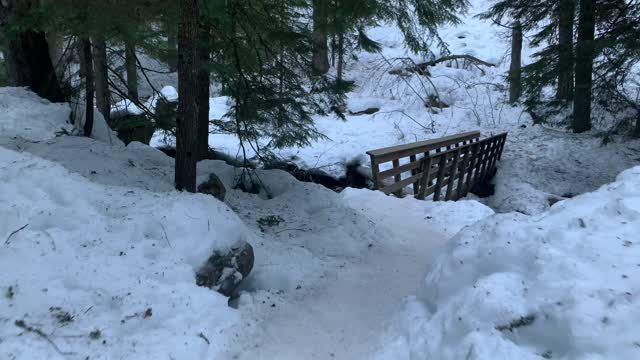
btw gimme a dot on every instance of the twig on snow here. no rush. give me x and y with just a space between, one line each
203 337
6 242
22 325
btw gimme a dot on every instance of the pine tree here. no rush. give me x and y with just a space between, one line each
581 120
515 78
87 70
187 120
131 67
566 15
27 58
100 66
320 47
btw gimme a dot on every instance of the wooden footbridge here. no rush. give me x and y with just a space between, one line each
443 169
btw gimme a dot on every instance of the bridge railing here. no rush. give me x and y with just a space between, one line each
446 168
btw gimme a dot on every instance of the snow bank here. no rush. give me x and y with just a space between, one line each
107 272
24 114
408 218
563 285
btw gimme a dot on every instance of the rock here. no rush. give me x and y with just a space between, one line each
224 272
213 186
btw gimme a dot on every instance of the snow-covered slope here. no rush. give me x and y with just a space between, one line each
26 115
93 270
561 285
109 238
106 272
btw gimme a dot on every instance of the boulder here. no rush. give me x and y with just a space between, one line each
213 186
223 272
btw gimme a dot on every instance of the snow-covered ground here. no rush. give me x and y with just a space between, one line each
561 285
111 239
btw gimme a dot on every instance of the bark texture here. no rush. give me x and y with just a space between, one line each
515 70
203 95
87 65
566 12
131 67
29 64
584 67
320 48
100 69
187 118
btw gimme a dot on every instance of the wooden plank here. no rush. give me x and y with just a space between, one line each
442 166
485 159
452 174
397 177
375 171
494 155
393 152
504 140
398 186
425 169
480 155
398 170
412 159
472 162
463 171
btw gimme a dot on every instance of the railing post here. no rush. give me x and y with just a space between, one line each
397 178
442 166
452 174
425 168
463 170
375 170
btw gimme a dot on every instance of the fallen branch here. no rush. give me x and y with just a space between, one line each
6 242
22 325
471 59
422 68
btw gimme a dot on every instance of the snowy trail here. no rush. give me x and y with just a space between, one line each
342 316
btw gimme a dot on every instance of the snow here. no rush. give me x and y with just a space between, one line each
328 246
573 270
82 256
105 254
24 114
350 275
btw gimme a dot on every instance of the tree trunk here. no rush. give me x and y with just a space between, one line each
131 66
101 76
87 65
566 14
27 58
320 49
515 70
203 95
584 67
187 118
340 69
172 45
636 131
29 64
56 52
